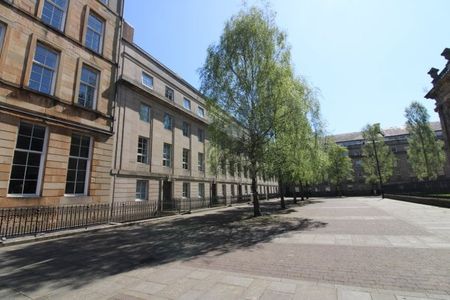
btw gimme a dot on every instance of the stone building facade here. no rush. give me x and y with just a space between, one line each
161 147
87 116
440 92
397 140
58 64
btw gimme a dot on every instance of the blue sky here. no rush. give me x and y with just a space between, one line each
368 58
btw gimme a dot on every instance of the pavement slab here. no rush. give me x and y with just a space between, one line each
329 248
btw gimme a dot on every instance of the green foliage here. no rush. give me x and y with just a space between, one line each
246 78
340 167
425 153
374 148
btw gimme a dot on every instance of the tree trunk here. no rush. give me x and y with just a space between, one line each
301 191
307 191
281 187
256 209
295 194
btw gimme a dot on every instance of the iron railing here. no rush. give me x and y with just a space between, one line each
20 221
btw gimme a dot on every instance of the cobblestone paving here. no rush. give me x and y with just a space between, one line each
339 249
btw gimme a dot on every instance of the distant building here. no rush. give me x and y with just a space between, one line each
441 94
397 140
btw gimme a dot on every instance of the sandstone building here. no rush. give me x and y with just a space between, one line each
161 146
440 92
87 116
58 65
397 140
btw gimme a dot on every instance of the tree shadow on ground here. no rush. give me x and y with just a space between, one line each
80 260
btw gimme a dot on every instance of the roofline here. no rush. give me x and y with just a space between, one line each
165 68
387 136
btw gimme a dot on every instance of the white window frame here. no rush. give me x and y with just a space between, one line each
88 168
202 110
41 164
145 155
63 9
102 34
186 190
145 74
187 103
167 157
201 190
94 101
141 106
106 2
185 162
145 183
54 71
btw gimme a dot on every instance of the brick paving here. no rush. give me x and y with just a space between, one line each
349 248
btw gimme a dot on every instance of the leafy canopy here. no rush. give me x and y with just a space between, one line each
425 153
340 168
254 99
374 148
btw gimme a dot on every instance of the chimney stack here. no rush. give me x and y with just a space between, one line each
128 32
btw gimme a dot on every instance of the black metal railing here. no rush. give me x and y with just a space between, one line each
134 211
187 204
20 221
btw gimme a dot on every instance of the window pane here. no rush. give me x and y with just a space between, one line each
26 162
144 113
32 173
30 187
53 13
186 129
79 188
43 69
23 142
2 34
169 93
142 190
18 172
167 121
78 164
201 112
15 187
88 87
147 80
20 158
71 173
94 33
187 104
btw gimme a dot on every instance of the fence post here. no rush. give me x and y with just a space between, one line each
37 219
87 216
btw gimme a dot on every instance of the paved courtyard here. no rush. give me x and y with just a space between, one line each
347 248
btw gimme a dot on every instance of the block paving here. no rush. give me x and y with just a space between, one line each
345 248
